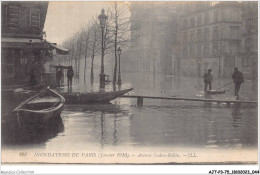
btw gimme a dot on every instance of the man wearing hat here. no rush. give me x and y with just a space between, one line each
207 77
238 79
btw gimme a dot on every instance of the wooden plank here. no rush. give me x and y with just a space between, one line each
191 99
139 101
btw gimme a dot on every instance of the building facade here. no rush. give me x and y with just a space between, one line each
210 38
154 27
22 41
249 40
188 38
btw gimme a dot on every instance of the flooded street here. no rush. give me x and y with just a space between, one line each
159 123
129 83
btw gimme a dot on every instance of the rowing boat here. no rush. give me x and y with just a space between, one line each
78 97
40 108
93 97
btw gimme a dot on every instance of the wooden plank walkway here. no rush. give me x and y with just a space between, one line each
140 99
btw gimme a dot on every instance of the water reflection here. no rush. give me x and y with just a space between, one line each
237 116
115 131
13 135
102 123
97 125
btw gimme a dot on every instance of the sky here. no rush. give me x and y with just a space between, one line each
64 19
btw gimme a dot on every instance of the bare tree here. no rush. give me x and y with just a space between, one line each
71 46
120 28
94 44
86 38
79 51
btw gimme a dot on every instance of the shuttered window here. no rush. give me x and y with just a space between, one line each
13 13
35 20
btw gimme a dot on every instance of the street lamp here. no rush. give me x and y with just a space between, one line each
102 17
119 71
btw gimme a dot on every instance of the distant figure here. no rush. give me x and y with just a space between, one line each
62 77
238 79
32 80
70 74
42 72
207 77
58 77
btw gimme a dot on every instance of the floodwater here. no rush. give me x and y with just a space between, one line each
159 123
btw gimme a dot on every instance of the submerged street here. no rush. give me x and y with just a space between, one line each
159 123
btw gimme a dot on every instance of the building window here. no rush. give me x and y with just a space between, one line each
192 36
215 49
199 50
234 32
199 36
185 37
233 48
206 19
248 45
234 16
185 23
215 33
35 20
216 16
251 24
206 34
192 51
206 50
13 16
192 22
188 51
199 20
255 24
184 51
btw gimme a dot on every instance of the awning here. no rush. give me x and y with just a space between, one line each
60 50
24 43
33 43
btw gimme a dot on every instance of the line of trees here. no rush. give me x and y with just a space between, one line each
86 44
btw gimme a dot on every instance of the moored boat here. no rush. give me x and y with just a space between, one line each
93 97
40 108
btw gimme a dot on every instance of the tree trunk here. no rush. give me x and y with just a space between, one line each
85 67
115 68
76 66
79 61
92 73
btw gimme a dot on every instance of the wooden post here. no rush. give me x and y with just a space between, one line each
139 101
228 104
18 119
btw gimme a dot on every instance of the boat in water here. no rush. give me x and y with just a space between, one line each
76 97
40 108
93 97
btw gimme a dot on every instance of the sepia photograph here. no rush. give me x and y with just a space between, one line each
129 82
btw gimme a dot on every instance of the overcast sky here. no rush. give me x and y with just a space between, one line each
66 18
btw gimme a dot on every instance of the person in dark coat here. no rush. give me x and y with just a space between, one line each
32 80
70 74
58 77
208 79
238 79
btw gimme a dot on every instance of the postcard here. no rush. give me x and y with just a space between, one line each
129 82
